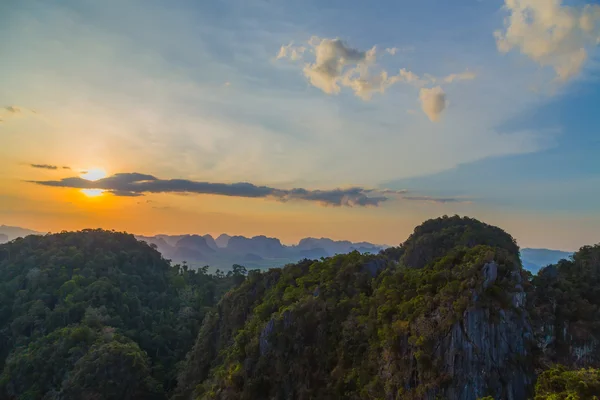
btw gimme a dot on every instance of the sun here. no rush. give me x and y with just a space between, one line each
93 174
92 192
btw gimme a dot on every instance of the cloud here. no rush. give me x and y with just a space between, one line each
440 200
465 76
331 58
292 52
338 65
433 102
66 167
43 166
13 109
136 184
9 112
550 33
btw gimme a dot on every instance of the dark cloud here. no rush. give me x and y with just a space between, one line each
434 199
13 109
136 184
65 167
43 166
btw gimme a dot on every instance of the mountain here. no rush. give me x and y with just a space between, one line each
449 314
258 252
263 252
535 259
210 241
13 232
222 240
80 311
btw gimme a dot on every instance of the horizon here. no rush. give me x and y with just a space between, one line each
292 120
283 242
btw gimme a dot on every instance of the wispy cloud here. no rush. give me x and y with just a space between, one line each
13 109
440 200
136 184
43 166
550 33
10 112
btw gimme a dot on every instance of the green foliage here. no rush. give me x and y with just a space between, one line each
436 237
352 326
112 370
60 293
558 383
566 303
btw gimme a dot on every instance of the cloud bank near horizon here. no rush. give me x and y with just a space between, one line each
137 184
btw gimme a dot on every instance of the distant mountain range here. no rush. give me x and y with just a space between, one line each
264 252
255 252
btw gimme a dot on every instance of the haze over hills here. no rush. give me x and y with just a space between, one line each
262 252
258 252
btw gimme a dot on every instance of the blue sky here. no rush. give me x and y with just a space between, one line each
470 100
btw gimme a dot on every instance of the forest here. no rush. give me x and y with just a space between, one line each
448 314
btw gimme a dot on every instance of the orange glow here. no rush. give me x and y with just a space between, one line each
92 192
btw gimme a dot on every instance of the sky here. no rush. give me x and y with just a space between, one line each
344 119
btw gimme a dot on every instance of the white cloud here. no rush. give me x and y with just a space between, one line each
550 33
337 65
292 52
331 57
465 76
433 102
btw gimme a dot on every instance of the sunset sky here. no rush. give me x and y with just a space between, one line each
346 119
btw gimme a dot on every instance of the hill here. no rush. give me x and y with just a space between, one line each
536 259
97 313
449 314
13 232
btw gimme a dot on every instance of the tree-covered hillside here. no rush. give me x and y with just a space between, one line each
449 314
365 327
98 315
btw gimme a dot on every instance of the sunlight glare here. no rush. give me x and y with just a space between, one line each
94 174
92 192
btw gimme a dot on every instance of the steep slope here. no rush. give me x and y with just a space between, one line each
365 327
73 303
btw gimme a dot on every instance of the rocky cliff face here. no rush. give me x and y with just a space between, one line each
484 351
